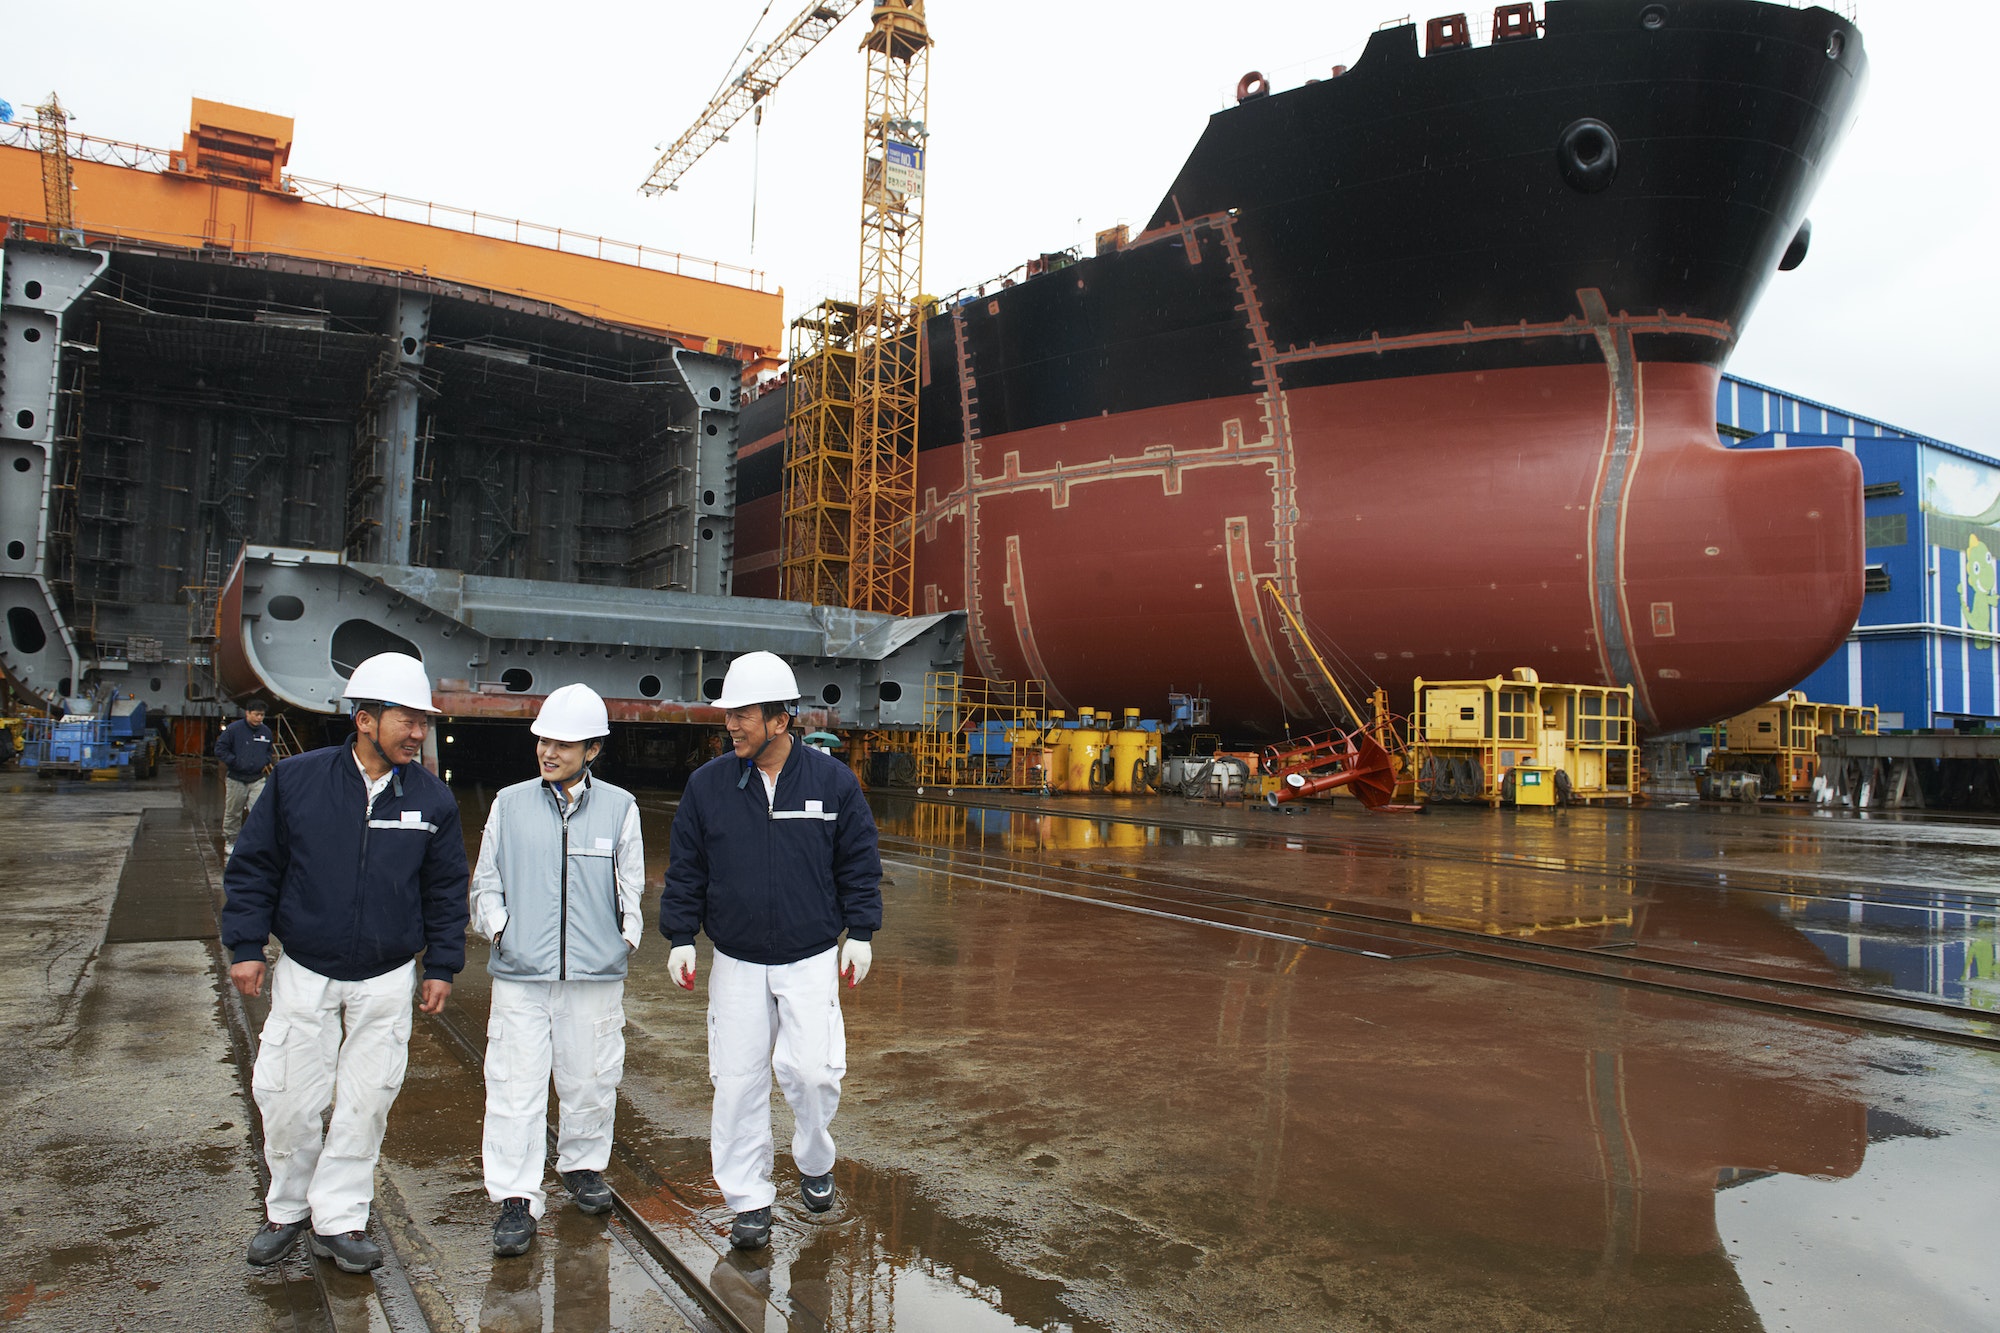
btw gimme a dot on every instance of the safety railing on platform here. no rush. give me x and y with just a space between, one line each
965 740
382 204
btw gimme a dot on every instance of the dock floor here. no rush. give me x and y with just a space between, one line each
1120 1065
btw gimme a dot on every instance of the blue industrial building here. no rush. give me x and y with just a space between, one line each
1926 650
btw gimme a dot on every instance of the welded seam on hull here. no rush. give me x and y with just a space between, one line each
1276 414
1468 334
1015 595
1607 524
1243 585
968 425
1170 464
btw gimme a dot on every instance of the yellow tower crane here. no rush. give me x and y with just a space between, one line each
850 488
57 179
889 321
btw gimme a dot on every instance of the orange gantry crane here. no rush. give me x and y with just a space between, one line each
850 491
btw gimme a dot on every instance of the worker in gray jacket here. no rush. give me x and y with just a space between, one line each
557 889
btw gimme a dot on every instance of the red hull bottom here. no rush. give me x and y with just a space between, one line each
1449 527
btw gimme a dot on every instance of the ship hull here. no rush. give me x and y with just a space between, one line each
1381 353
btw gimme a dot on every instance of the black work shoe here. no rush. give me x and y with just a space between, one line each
514 1229
273 1241
817 1191
752 1229
592 1195
351 1251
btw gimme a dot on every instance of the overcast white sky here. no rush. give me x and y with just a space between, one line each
1048 122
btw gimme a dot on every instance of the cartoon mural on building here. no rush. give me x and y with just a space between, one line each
1961 507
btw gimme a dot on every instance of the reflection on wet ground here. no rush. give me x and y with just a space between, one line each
1079 1117
1591 878
1126 1065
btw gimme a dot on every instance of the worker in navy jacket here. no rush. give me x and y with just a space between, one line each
245 749
773 854
355 862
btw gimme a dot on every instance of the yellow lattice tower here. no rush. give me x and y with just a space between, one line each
57 183
889 316
817 516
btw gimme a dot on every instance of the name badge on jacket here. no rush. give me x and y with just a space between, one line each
413 816
815 807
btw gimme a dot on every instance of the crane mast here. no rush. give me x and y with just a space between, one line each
848 511
57 178
889 319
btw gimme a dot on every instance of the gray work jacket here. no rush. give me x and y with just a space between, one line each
560 885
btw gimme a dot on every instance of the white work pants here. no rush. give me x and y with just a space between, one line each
576 1029
304 1063
765 1020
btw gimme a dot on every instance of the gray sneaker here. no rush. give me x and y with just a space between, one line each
592 1195
514 1229
273 1241
351 1251
817 1191
752 1229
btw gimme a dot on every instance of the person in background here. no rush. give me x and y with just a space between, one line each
558 889
244 747
355 862
773 852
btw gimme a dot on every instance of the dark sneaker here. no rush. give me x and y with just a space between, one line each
751 1230
514 1229
817 1191
592 1195
273 1241
351 1251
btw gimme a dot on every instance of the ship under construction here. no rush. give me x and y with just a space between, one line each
259 427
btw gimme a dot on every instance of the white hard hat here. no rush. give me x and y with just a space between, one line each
758 678
573 713
391 678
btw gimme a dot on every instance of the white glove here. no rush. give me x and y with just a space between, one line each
855 955
634 928
680 966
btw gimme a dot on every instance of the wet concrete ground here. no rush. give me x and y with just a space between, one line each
1193 1099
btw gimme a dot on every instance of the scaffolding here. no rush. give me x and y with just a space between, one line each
964 741
890 321
817 516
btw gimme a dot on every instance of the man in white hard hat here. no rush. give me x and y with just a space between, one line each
773 853
354 860
558 886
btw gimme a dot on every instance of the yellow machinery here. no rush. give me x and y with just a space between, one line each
13 731
1778 744
1135 756
1087 754
1478 740
968 725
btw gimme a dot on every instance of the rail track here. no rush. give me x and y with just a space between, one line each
1353 928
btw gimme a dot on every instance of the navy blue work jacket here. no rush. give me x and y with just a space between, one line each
245 751
774 883
350 894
